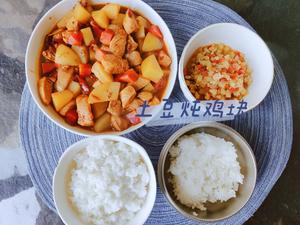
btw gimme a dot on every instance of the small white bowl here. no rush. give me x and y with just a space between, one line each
60 179
257 53
47 23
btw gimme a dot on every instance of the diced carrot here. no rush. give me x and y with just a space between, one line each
48 67
84 70
154 29
71 117
106 36
233 89
129 76
75 38
97 30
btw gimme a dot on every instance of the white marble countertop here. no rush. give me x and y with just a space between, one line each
19 202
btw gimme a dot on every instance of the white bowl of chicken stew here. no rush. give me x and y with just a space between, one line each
91 64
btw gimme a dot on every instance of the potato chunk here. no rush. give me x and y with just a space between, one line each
60 99
81 14
99 109
134 58
101 74
127 95
105 92
66 56
67 107
103 123
75 88
45 90
151 43
115 107
151 69
101 18
119 20
112 10
118 123
87 34
64 77
84 110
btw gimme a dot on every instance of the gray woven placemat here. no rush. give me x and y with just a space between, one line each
267 128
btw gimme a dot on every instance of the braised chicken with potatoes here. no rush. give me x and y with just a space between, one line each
100 63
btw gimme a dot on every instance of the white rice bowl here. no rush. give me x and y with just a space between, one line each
109 184
205 169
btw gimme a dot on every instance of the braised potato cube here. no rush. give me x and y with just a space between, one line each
127 95
63 22
119 20
101 18
140 83
75 88
60 99
129 23
81 14
64 77
101 74
67 107
66 56
151 43
151 69
112 10
103 123
87 34
82 52
99 109
105 92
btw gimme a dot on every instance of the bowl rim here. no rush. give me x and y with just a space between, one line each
173 139
141 150
181 79
168 91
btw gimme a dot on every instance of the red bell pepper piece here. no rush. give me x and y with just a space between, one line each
84 86
233 89
129 76
75 38
106 36
154 29
133 119
97 30
85 70
48 67
71 117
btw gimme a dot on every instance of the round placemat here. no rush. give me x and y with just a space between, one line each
267 128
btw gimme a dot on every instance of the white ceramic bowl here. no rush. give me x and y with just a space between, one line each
238 37
46 24
59 184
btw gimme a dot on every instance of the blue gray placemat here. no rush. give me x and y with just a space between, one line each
267 128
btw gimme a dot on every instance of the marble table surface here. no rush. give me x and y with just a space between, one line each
277 21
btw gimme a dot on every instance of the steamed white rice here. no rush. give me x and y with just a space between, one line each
109 184
205 169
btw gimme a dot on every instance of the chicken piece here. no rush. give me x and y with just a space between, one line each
105 48
131 44
145 96
66 35
64 77
84 110
134 58
130 23
57 35
115 107
163 59
127 95
45 90
134 105
49 53
67 107
72 24
114 64
118 123
118 43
